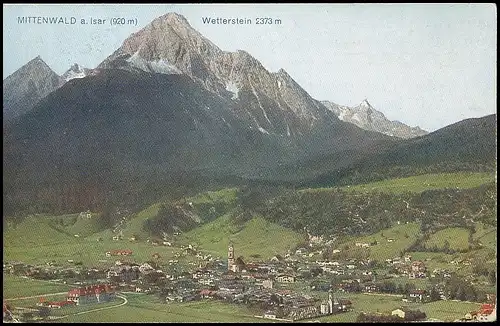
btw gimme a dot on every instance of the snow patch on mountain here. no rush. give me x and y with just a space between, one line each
74 74
264 131
161 66
233 88
366 117
76 71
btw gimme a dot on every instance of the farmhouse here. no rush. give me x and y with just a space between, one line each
417 295
285 278
418 266
301 251
270 315
399 312
91 294
86 214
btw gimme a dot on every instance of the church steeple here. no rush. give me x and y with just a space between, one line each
230 256
330 301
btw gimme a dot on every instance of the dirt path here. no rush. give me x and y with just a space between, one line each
37 296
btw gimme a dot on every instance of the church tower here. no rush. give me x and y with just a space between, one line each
230 256
330 301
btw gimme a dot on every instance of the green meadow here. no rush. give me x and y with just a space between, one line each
456 238
420 183
254 237
144 308
441 310
390 242
16 286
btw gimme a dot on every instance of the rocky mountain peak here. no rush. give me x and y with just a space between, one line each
169 37
26 86
368 118
365 104
35 63
273 102
75 68
75 71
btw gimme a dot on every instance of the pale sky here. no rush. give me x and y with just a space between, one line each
429 65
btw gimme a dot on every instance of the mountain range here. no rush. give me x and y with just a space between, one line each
366 117
170 103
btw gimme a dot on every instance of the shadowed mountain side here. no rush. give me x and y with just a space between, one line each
468 145
121 128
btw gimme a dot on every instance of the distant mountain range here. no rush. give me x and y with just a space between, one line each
167 103
366 117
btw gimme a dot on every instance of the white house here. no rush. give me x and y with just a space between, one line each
398 312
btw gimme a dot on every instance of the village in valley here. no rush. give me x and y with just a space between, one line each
298 285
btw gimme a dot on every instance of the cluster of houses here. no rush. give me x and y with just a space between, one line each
97 293
295 308
487 312
406 267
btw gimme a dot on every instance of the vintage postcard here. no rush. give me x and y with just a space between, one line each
249 163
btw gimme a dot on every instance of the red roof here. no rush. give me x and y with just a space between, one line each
486 306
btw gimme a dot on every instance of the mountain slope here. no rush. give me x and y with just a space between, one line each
270 102
118 125
468 145
366 117
168 102
26 86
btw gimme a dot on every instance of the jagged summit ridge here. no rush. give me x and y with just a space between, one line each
273 102
366 117
75 71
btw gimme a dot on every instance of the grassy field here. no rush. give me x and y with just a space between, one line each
144 308
486 235
33 231
403 236
456 237
134 225
442 310
226 195
90 253
423 182
255 237
16 286
59 247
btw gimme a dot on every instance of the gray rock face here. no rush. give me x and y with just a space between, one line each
366 117
26 86
272 102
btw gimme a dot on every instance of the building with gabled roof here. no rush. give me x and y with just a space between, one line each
91 294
